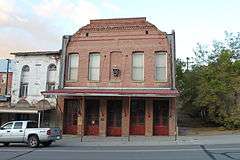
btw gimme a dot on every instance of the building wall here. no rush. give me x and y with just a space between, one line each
37 83
3 83
124 39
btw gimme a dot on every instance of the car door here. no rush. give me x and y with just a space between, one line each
5 132
17 132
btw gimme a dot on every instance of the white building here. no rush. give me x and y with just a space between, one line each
34 72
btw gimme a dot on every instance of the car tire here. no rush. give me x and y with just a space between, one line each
33 141
6 144
46 144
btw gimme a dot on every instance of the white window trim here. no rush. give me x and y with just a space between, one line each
69 68
99 76
166 64
142 53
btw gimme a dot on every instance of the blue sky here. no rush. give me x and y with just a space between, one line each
39 25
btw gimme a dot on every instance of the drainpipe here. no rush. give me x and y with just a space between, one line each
65 41
6 88
171 40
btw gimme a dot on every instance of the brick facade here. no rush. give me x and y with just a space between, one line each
116 40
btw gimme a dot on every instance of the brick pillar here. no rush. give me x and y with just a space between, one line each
125 117
103 117
172 116
149 117
60 112
81 116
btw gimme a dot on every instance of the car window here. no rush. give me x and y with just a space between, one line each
18 125
32 125
7 126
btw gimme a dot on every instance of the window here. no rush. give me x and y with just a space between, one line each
18 125
32 125
24 81
94 67
7 126
73 67
51 76
23 90
138 66
161 66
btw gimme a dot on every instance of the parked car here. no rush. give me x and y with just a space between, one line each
28 132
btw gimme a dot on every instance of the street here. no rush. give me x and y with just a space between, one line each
176 152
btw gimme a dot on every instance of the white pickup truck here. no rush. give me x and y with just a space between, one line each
28 132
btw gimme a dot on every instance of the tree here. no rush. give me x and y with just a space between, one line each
211 89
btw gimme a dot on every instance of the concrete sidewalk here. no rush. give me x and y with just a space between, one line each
148 141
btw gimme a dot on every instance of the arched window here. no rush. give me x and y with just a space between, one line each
24 81
51 76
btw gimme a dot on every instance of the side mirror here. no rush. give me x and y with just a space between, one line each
1 128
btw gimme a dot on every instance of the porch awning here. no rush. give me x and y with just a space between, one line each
114 92
24 111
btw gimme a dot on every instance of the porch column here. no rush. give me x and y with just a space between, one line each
149 118
172 116
126 116
81 113
103 117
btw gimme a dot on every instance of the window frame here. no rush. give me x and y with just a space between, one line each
143 66
166 66
89 68
23 92
69 79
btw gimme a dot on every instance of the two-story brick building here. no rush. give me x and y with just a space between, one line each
118 79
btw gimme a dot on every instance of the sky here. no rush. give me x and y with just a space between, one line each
33 25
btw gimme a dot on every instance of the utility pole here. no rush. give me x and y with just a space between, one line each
6 88
188 62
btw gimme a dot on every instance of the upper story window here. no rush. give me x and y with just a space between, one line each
138 66
73 67
94 67
51 76
161 66
24 81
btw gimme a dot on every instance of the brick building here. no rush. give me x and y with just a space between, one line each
117 78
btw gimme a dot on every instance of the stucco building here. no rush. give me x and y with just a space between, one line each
118 79
33 73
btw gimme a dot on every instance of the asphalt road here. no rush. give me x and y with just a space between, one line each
58 152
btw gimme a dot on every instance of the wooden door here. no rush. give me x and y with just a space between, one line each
137 117
92 117
160 117
114 118
71 107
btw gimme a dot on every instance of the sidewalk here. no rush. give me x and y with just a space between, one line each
149 141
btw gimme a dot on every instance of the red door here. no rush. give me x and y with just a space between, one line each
160 117
114 118
92 117
70 116
137 117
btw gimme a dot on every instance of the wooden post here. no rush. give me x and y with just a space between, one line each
82 119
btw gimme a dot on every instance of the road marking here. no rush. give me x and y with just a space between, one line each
116 151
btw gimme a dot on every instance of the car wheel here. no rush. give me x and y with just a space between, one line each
46 144
33 141
6 144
